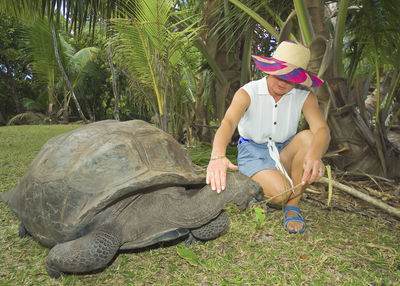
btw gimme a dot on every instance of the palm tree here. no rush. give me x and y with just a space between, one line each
83 71
64 74
54 61
150 48
42 32
44 63
162 40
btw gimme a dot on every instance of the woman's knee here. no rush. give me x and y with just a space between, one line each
274 185
305 137
277 192
278 197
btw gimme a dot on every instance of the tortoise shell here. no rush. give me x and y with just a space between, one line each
79 174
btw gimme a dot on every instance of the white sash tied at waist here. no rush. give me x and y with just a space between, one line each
274 153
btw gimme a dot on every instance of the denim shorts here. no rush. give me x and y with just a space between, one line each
254 157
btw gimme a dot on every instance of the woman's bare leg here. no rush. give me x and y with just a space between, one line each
274 182
292 157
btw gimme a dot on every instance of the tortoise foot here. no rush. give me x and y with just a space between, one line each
213 229
52 271
85 254
22 232
191 240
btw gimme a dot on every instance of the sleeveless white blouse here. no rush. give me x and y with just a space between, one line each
266 120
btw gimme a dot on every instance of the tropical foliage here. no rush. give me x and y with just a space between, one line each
17 85
151 43
340 100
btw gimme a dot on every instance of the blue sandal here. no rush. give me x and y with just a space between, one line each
293 218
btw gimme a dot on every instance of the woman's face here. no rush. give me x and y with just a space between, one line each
277 86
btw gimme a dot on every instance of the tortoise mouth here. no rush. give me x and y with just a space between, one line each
259 196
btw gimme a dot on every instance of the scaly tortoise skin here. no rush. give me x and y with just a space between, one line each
114 185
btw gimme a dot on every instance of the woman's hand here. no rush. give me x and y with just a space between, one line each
216 172
313 169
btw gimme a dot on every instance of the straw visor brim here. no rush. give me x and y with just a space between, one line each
286 71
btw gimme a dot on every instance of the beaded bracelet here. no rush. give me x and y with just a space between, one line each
217 157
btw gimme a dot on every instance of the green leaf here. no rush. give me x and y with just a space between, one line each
188 255
256 17
260 215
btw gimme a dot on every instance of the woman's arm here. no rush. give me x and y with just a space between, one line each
216 170
320 143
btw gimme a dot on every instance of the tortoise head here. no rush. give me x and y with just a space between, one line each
241 190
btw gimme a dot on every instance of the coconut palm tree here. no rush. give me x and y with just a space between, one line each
150 47
44 63
60 66
160 42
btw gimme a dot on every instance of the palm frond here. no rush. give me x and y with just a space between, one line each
67 49
75 14
44 60
150 42
132 48
154 15
82 57
374 27
81 64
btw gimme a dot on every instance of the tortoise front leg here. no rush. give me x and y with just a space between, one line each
87 253
212 229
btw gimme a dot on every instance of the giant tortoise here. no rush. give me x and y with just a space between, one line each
115 185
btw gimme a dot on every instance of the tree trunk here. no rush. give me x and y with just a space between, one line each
114 84
65 114
224 62
64 74
187 127
221 92
200 113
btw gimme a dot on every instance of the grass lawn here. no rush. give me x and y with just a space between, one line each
338 248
